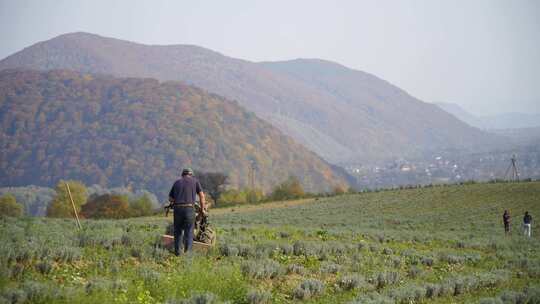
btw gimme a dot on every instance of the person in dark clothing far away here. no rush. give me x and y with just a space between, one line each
527 221
182 197
506 221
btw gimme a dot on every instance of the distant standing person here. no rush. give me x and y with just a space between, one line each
506 221
527 219
182 197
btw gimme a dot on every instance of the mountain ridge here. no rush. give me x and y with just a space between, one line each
340 113
508 120
112 131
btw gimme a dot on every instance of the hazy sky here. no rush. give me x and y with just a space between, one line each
482 55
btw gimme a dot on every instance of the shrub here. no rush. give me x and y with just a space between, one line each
264 250
13 296
289 189
322 253
24 254
159 254
126 240
491 279
106 206
408 294
490 301
337 249
36 292
296 269
464 284
361 245
329 267
266 269
309 288
386 278
446 289
141 206
67 254
202 298
258 297
33 198
414 272
44 267
138 252
149 276
16 271
433 290
452 259
512 297
533 294
373 298
97 285
10 207
396 262
286 249
472 257
228 250
242 196
373 248
428 261
299 248
351 282
387 251
245 250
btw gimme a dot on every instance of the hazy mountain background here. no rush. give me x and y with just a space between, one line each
339 113
490 122
138 132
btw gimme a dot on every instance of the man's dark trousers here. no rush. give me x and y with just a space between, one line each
184 223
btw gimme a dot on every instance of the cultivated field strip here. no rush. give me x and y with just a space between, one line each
429 245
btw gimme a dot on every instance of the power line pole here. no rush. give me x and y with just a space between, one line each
252 175
251 182
73 205
513 167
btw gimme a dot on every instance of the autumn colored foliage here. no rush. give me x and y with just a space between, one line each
106 206
10 207
61 204
289 189
140 132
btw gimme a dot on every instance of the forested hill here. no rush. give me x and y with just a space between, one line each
339 113
139 132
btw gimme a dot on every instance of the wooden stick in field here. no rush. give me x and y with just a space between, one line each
73 205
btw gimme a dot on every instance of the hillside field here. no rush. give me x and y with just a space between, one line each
428 245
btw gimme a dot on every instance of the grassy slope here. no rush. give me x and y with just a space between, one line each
370 234
475 208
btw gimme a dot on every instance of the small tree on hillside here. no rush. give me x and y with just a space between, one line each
213 183
60 206
339 189
289 189
254 195
141 206
106 206
10 207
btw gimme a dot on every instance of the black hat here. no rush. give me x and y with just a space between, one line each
187 171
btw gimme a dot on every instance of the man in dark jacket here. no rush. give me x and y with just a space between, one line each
182 196
527 219
506 221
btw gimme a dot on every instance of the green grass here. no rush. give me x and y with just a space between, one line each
392 245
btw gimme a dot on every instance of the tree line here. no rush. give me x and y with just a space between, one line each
99 203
